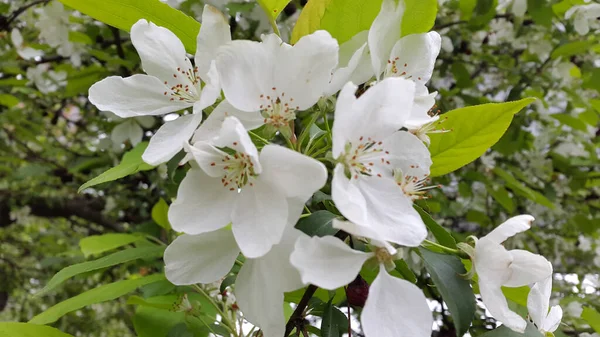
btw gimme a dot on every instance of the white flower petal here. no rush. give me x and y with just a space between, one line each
395 308
293 173
145 121
259 218
527 268
510 227
136 133
408 153
16 38
538 301
342 75
419 115
234 136
495 302
553 319
213 34
519 7
386 106
357 230
207 157
169 139
389 212
327 261
161 51
303 71
121 132
492 262
384 32
137 95
581 25
348 197
413 57
202 204
211 126
203 258
261 282
211 90
246 72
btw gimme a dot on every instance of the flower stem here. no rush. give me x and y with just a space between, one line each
427 243
225 318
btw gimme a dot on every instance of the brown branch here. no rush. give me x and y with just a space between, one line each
19 11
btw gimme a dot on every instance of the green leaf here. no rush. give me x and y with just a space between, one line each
461 75
97 244
80 81
466 9
483 13
131 163
160 212
341 18
8 100
318 223
106 261
440 233
540 11
16 329
517 295
522 190
503 331
473 130
501 195
79 37
273 7
592 317
572 48
330 326
99 294
419 16
404 270
570 121
456 291
124 13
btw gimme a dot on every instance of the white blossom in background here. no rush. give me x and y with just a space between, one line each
53 24
497 267
379 169
131 130
275 79
546 319
173 3
254 192
22 49
394 307
583 16
46 80
172 83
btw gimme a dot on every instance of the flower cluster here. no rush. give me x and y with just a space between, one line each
245 197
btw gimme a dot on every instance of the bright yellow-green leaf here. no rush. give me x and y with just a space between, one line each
99 294
124 13
16 329
473 130
273 7
131 163
419 16
573 48
97 244
341 18
592 317
160 214
517 295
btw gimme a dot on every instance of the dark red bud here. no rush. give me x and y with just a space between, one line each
357 292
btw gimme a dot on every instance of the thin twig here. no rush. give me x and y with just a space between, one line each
20 11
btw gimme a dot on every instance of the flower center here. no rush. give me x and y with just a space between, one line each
278 109
413 186
185 85
238 170
364 158
399 69
431 127
383 256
